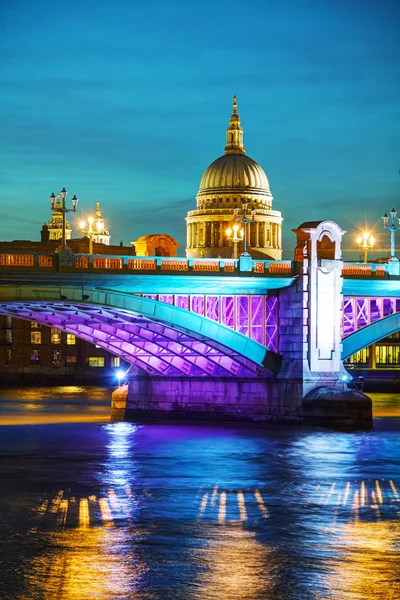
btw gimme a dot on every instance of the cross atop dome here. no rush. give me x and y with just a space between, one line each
234 133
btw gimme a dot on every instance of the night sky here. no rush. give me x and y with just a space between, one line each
127 103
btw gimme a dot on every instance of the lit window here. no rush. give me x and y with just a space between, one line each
70 339
71 359
35 357
96 361
8 336
35 325
36 337
56 358
8 322
115 361
55 336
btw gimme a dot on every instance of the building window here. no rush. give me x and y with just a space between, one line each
115 361
36 337
95 361
71 359
8 356
56 358
55 336
35 357
8 336
70 339
387 355
8 322
35 325
359 358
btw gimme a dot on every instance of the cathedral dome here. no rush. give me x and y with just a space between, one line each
231 172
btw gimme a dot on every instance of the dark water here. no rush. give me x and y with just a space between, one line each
93 510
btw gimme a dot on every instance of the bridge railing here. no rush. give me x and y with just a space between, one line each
365 270
145 264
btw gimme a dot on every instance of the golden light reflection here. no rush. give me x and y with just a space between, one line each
356 505
368 565
242 506
394 489
260 502
63 511
85 564
379 492
363 494
222 507
84 520
346 493
237 566
55 505
106 512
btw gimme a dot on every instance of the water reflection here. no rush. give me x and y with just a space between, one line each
368 561
116 511
233 565
88 563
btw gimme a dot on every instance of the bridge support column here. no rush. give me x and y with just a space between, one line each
310 325
205 399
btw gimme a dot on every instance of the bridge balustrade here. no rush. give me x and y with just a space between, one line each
127 263
17 260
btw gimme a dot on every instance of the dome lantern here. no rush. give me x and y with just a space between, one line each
234 133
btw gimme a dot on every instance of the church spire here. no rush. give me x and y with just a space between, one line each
234 133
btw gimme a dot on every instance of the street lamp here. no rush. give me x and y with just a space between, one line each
233 236
365 241
90 231
244 219
63 210
391 225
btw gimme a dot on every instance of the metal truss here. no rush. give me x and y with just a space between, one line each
360 312
153 346
255 316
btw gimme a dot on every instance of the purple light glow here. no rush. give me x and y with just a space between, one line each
155 347
361 312
245 314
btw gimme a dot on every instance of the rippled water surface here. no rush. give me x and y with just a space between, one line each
94 510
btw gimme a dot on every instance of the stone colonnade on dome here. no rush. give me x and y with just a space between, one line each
210 236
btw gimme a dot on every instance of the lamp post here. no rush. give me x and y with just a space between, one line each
234 237
244 219
63 210
365 241
90 231
391 225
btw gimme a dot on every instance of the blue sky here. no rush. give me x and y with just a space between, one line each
127 103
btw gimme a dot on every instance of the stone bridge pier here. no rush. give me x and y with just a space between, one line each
306 382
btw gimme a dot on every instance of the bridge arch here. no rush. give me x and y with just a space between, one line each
370 334
159 338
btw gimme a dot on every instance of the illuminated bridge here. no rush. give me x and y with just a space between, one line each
231 321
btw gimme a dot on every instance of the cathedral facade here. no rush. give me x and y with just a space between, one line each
232 186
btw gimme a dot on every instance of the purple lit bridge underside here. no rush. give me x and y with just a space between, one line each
159 338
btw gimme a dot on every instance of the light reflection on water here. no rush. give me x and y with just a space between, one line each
121 511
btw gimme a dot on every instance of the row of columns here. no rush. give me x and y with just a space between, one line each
212 233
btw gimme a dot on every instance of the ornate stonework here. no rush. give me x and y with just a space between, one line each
231 179
54 226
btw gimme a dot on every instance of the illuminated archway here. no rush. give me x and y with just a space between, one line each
159 338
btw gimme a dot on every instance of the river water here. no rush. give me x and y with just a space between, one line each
94 510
